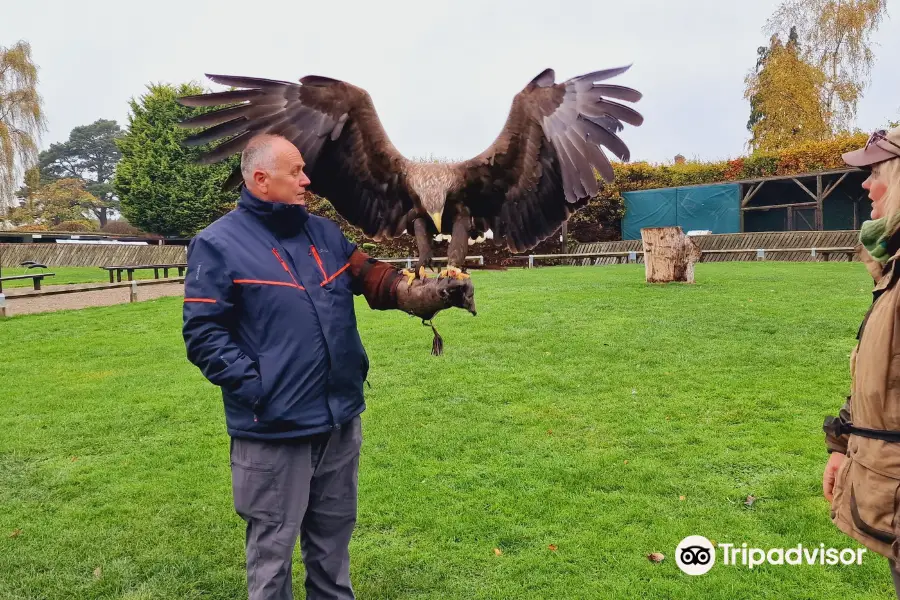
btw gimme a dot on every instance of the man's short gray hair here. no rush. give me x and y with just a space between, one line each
258 154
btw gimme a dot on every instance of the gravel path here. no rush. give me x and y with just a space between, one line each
96 297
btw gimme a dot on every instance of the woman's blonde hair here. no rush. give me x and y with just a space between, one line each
889 173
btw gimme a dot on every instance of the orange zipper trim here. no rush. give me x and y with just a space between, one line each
205 300
284 264
335 276
263 282
315 254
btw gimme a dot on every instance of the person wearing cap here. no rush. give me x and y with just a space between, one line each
862 476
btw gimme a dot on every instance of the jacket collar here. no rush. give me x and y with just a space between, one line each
284 219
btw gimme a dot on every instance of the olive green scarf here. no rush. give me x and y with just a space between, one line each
876 234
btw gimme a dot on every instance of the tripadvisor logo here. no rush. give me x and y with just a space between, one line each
696 555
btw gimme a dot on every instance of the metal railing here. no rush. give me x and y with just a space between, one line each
409 260
760 253
631 256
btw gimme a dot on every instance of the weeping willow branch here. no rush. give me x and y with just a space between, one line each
22 118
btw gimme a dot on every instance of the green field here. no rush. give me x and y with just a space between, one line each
574 411
67 275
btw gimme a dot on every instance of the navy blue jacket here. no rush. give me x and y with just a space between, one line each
269 317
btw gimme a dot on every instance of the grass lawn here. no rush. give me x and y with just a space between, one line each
67 275
574 411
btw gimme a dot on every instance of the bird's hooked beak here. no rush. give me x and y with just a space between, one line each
436 217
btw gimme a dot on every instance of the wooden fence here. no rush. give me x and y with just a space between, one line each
77 255
742 241
83 255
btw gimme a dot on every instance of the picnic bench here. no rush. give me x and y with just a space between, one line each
115 271
35 277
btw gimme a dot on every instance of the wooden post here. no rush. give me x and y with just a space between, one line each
669 255
565 237
820 215
2 306
133 297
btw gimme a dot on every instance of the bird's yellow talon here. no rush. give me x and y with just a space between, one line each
454 273
410 276
422 273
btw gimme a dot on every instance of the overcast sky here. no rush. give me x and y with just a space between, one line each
442 73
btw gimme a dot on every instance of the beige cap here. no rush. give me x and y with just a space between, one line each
882 145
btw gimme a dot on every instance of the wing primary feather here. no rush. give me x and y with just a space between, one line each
248 82
601 136
602 75
599 160
621 112
616 91
574 147
219 131
227 148
217 98
215 117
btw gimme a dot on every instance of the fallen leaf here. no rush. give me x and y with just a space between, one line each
681 498
667 418
750 500
74 458
16 533
552 547
750 300
656 557
98 573
549 432
713 542
498 551
626 462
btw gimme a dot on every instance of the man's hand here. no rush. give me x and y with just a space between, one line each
828 478
426 297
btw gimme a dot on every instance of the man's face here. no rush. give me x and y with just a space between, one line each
286 182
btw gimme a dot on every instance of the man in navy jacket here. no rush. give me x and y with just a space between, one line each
269 318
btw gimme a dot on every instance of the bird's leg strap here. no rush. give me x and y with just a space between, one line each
437 345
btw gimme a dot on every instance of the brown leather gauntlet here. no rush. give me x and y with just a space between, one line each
375 280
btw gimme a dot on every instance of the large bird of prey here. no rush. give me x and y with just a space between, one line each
535 174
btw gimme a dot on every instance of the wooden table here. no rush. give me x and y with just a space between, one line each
115 271
36 279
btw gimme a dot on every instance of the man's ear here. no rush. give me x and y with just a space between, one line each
261 180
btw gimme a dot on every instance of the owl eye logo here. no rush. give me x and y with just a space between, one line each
695 555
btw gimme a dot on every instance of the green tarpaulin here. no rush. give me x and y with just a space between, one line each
716 208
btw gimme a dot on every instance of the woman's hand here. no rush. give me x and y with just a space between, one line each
831 468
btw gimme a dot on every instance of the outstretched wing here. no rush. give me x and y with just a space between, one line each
350 160
540 169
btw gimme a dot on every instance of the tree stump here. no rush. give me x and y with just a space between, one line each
669 255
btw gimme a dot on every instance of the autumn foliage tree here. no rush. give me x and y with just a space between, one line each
55 203
785 94
836 37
